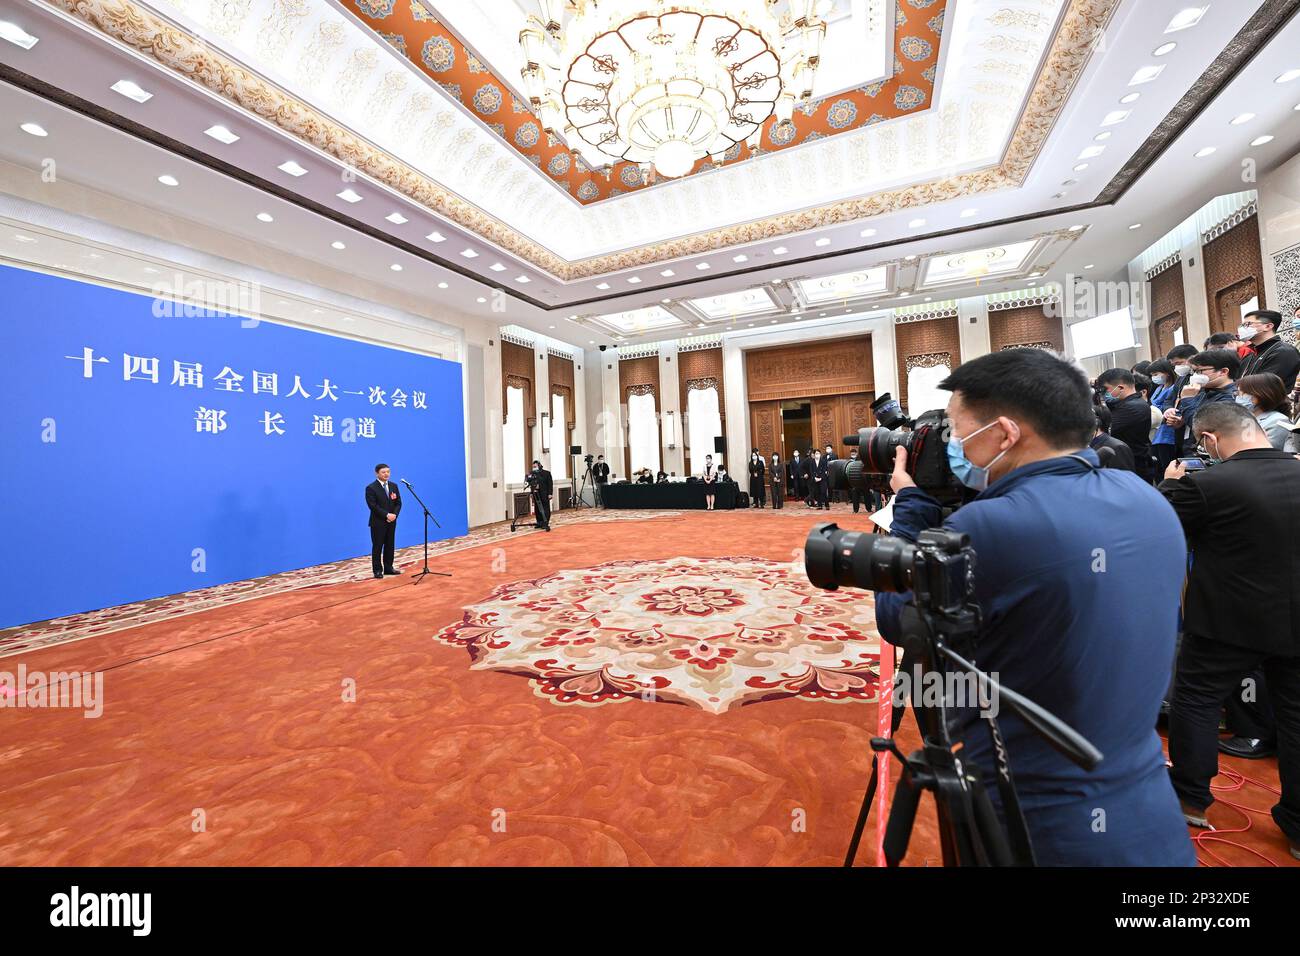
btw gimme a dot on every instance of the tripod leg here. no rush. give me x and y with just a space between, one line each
862 816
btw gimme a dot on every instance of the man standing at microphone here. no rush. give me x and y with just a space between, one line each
384 502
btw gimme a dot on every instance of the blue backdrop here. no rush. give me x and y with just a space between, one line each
149 454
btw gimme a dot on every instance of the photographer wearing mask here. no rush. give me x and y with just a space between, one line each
1243 603
1210 381
539 483
1067 554
1130 416
1259 329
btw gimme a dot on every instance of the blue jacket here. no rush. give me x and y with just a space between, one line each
1163 399
1078 575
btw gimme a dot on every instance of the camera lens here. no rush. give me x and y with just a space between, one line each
858 559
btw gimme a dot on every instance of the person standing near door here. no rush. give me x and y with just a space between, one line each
778 479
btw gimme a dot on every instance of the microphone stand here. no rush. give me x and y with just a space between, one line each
427 516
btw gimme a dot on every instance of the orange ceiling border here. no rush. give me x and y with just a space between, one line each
414 31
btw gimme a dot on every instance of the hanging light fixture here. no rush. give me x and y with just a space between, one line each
651 83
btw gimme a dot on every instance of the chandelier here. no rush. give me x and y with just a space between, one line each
663 84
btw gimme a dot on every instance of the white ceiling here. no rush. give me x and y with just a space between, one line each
98 155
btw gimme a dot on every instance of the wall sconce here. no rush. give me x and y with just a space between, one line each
670 430
546 434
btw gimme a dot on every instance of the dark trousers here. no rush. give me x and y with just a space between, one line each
757 493
1164 454
855 498
599 492
382 537
542 503
1251 715
821 492
1208 671
778 501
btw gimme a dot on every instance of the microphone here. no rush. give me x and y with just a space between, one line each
405 482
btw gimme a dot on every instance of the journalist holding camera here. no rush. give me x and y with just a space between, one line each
1071 558
541 487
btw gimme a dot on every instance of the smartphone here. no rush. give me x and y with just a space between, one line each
1192 464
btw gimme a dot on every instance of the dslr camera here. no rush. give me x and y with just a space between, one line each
925 439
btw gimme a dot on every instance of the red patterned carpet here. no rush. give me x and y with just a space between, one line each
583 697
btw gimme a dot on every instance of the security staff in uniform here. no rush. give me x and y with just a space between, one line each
778 480
757 480
384 502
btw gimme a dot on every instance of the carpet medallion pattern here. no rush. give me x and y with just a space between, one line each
711 633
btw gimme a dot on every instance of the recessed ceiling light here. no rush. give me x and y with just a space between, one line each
443 285
602 285
909 258
221 134
1033 282
1288 76
779 251
867 233
396 218
265 217
667 273
17 35
550 326
633 280
395 267
469 253
293 169
1115 116
338 245
1146 74
497 267
1207 151
1261 140
967 213
1241 118
1091 151
1081 167
1136 225
436 237
1185 18
740 258
1078 227
1103 136
1070 182
1164 49
34 129
131 91
823 241
167 180
350 195
1089 266
21 238
916 224
1128 98
702 266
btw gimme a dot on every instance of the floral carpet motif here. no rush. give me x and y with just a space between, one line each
712 633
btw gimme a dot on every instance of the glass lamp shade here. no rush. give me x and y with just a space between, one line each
674 157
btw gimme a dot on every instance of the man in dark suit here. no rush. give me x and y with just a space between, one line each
541 486
600 475
1130 417
384 502
821 481
1271 353
809 487
795 468
1242 605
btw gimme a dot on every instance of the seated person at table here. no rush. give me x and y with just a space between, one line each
661 478
643 478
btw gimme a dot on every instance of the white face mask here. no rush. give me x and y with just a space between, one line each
1158 378
1199 379
1182 370
1246 332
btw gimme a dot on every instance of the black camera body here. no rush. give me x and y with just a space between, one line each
939 569
925 440
588 459
532 479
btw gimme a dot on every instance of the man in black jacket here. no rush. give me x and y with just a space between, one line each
600 475
1212 380
820 480
541 486
809 487
1242 605
795 468
384 502
1111 452
1259 329
1130 417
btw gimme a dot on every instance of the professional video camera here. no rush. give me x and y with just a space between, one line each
588 459
533 480
925 439
939 627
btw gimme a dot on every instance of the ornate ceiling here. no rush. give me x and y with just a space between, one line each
413 29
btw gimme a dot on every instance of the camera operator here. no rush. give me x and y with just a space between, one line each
1243 602
1070 556
1111 452
539 483
600 477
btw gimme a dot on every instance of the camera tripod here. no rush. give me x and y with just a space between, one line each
970 832
580 502
532 496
